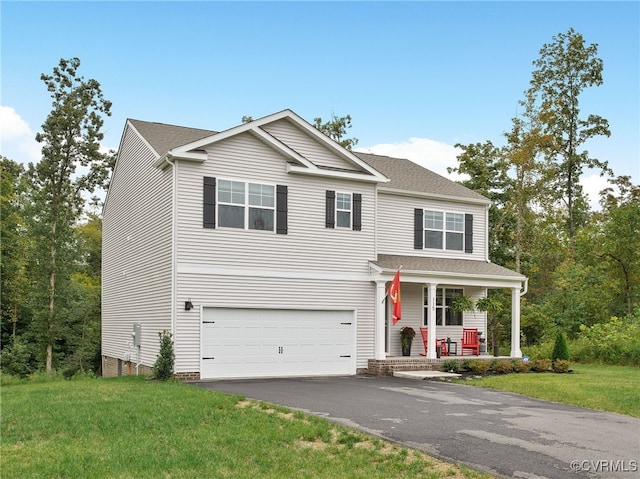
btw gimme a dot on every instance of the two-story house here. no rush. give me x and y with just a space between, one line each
266 250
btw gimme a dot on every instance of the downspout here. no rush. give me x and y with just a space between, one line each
526 287
174 200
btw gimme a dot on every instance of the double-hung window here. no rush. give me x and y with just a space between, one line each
444 315
343 210
443 230
246 205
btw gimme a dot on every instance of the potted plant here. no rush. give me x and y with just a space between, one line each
407 334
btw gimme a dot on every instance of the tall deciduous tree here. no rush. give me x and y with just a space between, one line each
336 128
71 166
565 68
487 173
13 247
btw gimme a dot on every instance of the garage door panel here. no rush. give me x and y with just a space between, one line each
274 343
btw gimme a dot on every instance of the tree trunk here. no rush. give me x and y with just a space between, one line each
52 290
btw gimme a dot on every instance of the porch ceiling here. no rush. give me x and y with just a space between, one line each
425 269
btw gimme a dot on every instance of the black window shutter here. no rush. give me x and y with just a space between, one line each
281 209
468 233
418 228
209 203
331 209
357 212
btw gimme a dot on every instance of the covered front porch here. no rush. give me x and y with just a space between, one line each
427 286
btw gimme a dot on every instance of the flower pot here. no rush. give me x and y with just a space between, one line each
406 349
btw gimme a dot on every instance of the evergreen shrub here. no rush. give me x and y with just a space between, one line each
521 366
560 349
450 366
163 367
561 366
541 365
503 366
478 366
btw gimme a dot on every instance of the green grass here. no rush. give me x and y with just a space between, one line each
136 428
600 387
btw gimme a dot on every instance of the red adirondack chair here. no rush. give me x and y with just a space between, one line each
425 340
440 342
470 341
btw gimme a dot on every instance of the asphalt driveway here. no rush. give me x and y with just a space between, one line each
502 433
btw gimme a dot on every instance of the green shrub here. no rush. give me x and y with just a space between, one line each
613 342
478 366
450 366
561 366
560 349
466 364
521 366
16 359
503 366
163 367
541 365
539 351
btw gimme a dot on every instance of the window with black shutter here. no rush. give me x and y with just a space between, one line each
281 209
330 210
209 202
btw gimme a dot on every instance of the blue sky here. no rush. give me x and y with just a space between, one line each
416 77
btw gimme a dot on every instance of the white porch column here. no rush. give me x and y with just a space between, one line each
431 322
515 323
379 329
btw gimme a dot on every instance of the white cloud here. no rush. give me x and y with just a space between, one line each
437 156
17 139
592 185
433 155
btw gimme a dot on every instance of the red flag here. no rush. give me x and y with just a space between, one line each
394 294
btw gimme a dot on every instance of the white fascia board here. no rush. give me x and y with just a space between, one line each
229 133
337 148
345 175
434 196
443 277
279 146
191 156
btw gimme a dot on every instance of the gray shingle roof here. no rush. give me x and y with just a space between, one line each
163 137
409 176
444 265
404 174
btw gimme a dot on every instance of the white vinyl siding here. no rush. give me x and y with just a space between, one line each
266 290
311 149
311 267
136 253
396 230
308 246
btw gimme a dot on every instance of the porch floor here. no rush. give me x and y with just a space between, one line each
392 364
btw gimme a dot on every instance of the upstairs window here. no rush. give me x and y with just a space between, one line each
343 210
443 230
246 205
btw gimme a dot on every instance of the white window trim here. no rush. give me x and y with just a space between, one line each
425 296
338 210
444 229
246 204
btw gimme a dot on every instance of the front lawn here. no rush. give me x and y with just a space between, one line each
599 387
137 428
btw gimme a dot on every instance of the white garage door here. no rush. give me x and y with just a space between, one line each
240 343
